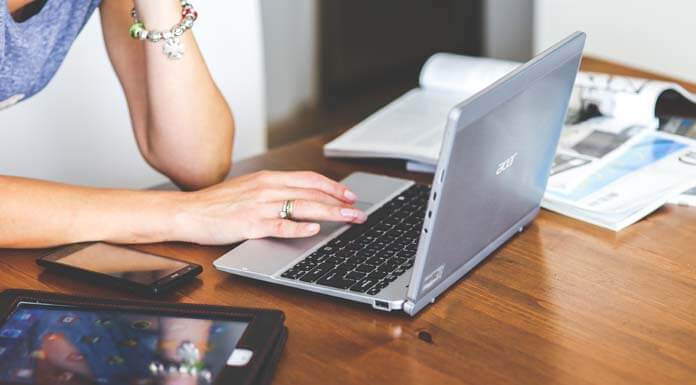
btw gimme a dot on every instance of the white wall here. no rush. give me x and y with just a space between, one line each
78 130
291 50
508 27
650 34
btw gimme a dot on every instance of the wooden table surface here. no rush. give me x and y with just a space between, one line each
563 303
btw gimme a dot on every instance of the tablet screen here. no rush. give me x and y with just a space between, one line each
121 262
45 344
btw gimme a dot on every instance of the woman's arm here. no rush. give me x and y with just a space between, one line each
43 214
183 126
37 214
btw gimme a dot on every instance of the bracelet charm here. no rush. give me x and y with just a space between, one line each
173 47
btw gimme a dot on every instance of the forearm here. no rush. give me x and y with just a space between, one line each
36 214
190 126
182 123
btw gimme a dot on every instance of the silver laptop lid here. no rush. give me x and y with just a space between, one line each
494 166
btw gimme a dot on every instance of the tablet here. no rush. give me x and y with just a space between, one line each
48 339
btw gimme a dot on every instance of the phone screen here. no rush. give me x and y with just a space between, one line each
48 345
121 262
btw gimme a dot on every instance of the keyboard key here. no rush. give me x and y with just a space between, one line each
388 267
346 254
356 275
363 286
348 266
382 227
343 268
337 243
391 222
326 250
375 261
379 245
369 252
293 273
396 233
336 280
411 248
335 260
358 259
377 275
399 260
365 268
374 291
316 258
317 272
354 247
403 254
391 277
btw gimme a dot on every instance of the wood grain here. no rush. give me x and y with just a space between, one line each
563 303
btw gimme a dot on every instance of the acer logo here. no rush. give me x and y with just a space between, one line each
502 167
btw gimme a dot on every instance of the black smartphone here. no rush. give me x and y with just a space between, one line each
121 267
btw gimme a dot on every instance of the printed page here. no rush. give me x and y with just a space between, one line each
618 191
587 146
410 128
467 74
687 199
625 97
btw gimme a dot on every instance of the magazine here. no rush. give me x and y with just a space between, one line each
607 115
643 178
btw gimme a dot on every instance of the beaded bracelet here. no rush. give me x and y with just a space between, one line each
173 46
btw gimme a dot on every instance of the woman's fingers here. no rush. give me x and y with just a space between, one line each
312 180
281 228
314 211
283 194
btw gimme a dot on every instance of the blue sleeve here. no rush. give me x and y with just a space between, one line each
3 28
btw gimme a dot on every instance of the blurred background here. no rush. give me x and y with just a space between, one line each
296 68
329 63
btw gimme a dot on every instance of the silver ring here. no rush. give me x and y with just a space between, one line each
286 211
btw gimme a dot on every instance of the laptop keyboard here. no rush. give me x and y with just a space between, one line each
367 258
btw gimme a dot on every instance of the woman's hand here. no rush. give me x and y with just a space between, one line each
249 208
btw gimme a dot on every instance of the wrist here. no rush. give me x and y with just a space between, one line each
169 214
177 218
159 15
142 217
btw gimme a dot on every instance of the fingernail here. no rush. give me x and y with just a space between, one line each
350 196
354 214
313 228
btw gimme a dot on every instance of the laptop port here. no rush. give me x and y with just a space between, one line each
381 305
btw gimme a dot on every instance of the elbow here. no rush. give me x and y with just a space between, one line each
194 164
193 171
203 173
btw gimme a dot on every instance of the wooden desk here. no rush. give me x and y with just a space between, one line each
563 303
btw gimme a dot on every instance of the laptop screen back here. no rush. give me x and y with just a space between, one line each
495 164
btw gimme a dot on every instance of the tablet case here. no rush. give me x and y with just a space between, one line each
266 334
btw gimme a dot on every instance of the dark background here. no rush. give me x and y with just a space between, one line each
366 45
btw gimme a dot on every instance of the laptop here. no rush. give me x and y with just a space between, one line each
419 240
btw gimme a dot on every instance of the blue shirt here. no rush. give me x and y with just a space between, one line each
32 51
